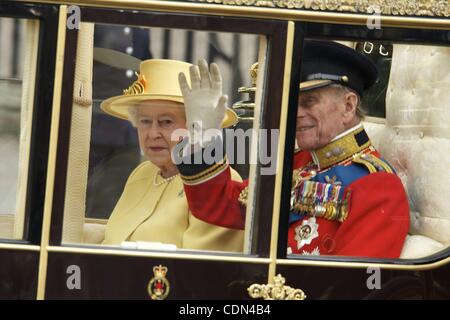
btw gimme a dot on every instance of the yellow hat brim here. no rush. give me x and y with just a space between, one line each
118 106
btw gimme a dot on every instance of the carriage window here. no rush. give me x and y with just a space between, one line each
18 41
132 193
365 188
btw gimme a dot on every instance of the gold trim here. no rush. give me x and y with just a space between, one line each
148 254
340 149
286 262
254 168
281 147
364 265
24 247
365 163
243 196
372 163
205 175
428 8
243 105
259 12
377 161
275 291
57 89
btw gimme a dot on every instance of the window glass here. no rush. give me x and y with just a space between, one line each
17 40
132 193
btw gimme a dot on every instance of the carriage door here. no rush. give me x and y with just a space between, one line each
27 41
95 153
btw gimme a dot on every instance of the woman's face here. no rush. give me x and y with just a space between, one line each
156 120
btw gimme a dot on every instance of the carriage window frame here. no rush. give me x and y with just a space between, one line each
343 32
275 32
47 16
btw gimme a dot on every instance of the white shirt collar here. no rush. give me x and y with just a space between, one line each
340 135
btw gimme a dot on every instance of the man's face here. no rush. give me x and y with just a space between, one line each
322 114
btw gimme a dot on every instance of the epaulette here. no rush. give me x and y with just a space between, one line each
372 163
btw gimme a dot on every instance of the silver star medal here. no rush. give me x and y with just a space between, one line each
306 232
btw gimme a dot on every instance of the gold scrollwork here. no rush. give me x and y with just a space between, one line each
430 8
243 196
275 291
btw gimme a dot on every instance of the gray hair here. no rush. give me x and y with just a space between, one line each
360 112
133 115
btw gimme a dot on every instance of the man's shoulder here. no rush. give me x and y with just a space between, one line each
372 162
359 166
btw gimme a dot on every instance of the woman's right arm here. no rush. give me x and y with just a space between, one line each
213 194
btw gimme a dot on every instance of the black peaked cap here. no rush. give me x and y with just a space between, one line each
326 62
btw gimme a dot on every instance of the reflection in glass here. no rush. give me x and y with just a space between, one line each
14 126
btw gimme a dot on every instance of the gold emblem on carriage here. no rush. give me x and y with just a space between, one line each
158 288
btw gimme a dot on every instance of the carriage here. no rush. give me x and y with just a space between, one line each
64 162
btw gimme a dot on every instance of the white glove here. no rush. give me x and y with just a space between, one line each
204 103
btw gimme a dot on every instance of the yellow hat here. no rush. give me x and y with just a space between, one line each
157 80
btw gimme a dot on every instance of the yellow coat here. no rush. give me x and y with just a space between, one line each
146 212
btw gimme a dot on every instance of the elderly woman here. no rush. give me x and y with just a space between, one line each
153 206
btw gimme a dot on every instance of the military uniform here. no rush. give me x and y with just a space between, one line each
345 199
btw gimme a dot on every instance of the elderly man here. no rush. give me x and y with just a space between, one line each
345 199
